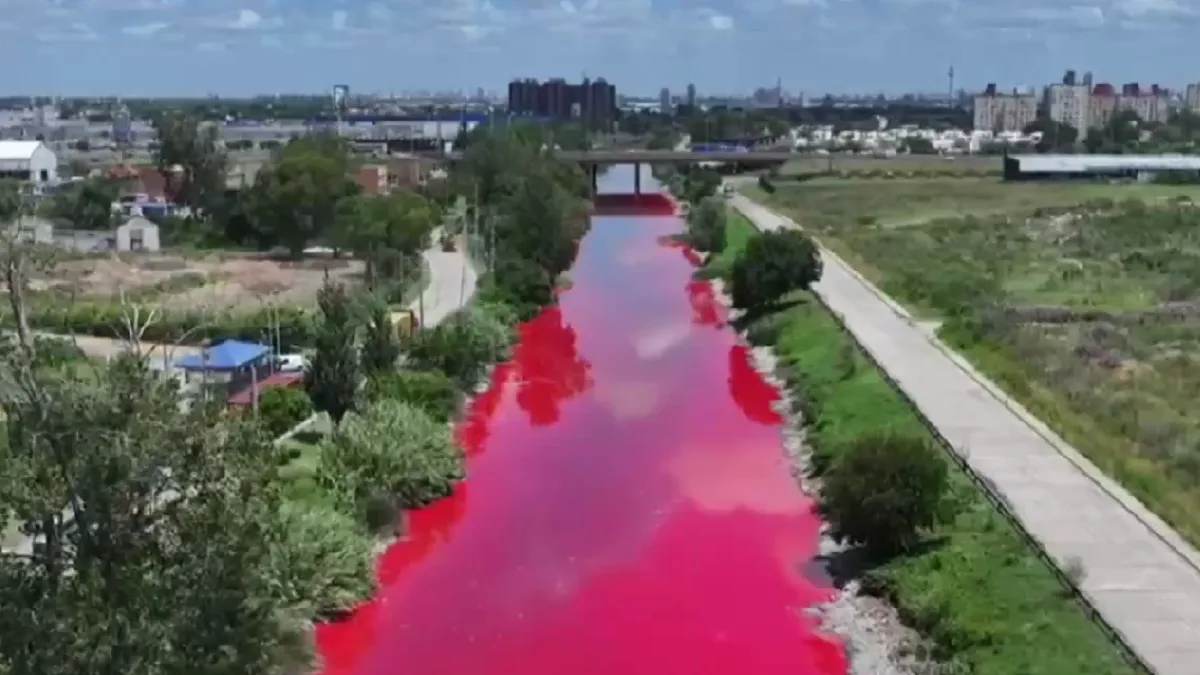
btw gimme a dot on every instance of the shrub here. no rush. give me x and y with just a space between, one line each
772 265
392 450
700 184
766 185
106 319
521 285
319 561
463 346
281 408
882 490
429 390
706 226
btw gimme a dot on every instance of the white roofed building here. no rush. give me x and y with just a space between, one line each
28 161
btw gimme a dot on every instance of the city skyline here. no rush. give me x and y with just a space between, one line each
242 47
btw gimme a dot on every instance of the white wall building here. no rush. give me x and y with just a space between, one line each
1004 112
28 161
137 234
1070 104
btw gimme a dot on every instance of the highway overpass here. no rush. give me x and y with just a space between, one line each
593 159
596 157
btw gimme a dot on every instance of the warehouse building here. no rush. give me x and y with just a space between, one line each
1142 167
28 161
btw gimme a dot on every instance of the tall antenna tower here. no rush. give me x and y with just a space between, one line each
950 89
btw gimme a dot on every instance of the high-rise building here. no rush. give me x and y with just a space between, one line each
1191 97
691 96
1070 104
594 102
1004 112
664 101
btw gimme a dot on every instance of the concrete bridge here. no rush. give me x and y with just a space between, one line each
591 160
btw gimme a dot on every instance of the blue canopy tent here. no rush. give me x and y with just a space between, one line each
234 363
227 356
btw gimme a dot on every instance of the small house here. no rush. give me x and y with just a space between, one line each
138 234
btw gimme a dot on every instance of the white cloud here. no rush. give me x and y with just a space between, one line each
339 20
1143 8
75 32
211 46
720 22
247 19
378 12
145 29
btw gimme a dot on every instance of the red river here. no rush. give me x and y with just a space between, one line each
628 509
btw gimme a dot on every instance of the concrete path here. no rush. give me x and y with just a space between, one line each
451 284
1140 575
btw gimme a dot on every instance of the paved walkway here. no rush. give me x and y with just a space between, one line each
1140 575
451 284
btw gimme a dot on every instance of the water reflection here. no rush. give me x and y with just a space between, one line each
650 526
549 369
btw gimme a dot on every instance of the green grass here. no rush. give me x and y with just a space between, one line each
297 475
1121 390
988 603
926 163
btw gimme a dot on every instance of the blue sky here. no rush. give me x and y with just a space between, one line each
235 47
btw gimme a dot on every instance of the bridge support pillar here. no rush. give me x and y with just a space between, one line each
594 178
637 178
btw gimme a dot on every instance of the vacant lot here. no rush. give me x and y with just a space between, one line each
931 164
215 282
1083 301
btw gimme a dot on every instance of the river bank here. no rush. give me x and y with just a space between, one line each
977 589
625 444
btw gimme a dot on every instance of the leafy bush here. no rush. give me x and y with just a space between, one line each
392 450
521 285
882 490
463 346
700 184
766 185
772 265
281 408
319 560
706 226
429 390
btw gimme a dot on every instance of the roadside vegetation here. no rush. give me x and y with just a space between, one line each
921 534
1084 311
145 536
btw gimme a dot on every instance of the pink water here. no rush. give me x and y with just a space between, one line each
628 509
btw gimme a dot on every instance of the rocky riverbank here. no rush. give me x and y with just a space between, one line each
876 641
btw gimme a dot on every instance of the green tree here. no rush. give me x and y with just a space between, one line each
294 201
706 226
189 157
429 390
380 349
333 374
918 145
281 408
462 346
387 232
125 500
882 491
87 204
772 265
700 184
